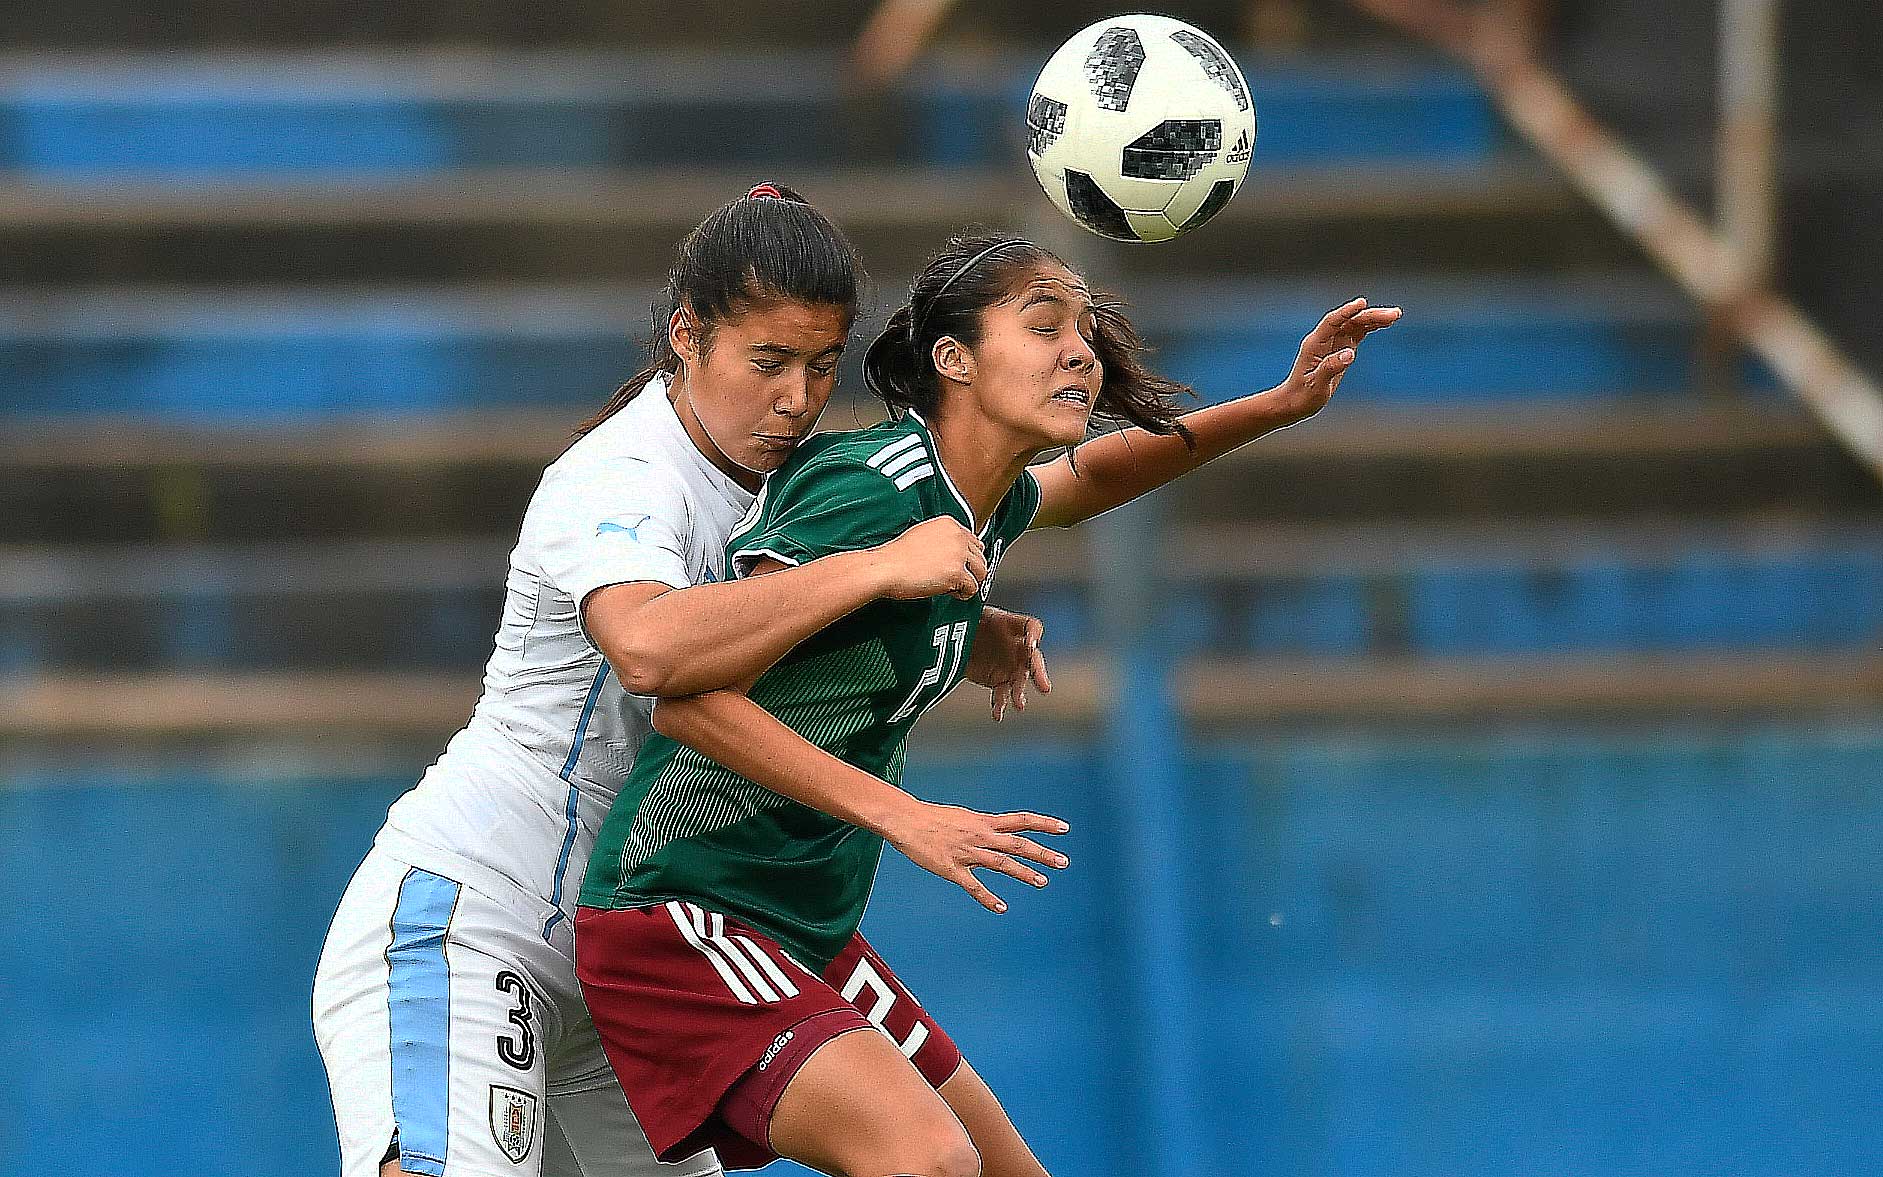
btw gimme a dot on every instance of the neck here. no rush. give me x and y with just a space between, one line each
679 394
981 457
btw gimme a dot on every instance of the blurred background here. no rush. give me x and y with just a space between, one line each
1482 778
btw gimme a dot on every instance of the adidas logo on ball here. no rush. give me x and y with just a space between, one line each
1240 152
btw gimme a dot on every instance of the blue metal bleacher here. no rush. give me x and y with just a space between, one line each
337 116
1797 593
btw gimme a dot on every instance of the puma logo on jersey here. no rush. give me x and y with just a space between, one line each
903 461
993 566
628 525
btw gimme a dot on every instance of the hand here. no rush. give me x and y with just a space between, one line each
934 557
1327 353
952 843
1006 653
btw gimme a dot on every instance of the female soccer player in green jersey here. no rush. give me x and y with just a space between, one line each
717 943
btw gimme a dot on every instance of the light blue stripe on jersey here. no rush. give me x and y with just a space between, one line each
568 769
418 1000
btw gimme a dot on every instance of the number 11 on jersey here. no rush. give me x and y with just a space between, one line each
950 642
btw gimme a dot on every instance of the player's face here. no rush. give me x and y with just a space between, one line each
759 387
1035 368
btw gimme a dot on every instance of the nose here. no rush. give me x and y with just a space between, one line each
794 398
1079 356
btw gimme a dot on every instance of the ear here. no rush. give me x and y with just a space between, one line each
682 336
953 361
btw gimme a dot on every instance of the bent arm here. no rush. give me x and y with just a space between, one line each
945 840
666 641
727 727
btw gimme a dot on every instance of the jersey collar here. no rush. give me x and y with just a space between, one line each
941 471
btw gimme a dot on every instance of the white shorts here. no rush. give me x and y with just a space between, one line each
453 1033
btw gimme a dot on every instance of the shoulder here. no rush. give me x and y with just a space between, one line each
1016 511
882 463
602 476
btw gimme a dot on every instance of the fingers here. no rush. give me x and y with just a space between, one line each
999 697
977 564
1012 823
973 886
1364 324
1335 318
1028 849
1338 361
1354 320
974 571
989 860
1036 670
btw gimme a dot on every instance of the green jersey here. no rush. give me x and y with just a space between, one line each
685 827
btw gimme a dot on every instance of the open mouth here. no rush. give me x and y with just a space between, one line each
1076 395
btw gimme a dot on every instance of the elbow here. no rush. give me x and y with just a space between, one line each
643 670
643 677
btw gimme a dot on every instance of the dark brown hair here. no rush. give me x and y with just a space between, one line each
768 246
949 297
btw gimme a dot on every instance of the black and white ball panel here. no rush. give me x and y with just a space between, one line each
1174 149
1095 210
1045 123
1112 67
1215 63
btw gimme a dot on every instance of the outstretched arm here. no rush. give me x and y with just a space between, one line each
1118 467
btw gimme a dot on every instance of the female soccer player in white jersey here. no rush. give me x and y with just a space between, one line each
445 1004
717 939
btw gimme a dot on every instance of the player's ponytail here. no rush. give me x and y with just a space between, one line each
768 245
949 297
890 365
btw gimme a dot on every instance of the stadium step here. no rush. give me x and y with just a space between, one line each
412 113
622 225
1431 591
128 710
301 354
106 481
735 23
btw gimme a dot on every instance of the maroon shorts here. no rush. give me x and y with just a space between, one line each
706 1019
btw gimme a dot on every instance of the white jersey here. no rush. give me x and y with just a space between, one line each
522 789
446 1004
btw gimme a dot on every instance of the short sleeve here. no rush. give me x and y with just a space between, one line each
611 522
1026 502
823 508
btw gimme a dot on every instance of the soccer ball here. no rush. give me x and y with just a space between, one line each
1140 128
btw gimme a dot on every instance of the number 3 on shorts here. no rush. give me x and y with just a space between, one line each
519 1052
883 999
